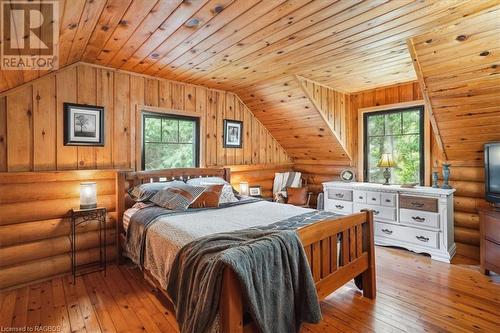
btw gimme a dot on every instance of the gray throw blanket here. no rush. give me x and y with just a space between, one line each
277 284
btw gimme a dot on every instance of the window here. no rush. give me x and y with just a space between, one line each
400 132
169 141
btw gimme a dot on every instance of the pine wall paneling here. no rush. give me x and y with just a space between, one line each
32 137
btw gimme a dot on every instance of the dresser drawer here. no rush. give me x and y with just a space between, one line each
419 203
388 199
406 234
359 196
338 194
338 206
492 253
491 225
373 198
419 218
379 212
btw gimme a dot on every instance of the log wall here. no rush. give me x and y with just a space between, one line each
261 175
32 129
35 224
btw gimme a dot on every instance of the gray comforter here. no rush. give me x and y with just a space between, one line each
277 285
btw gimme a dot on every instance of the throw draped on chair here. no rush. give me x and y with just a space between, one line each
284 180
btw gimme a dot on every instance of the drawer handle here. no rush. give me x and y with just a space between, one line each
374 199
376 212
422 238
418 218
387 200
339 206
360 198
339 195
417 204
387 231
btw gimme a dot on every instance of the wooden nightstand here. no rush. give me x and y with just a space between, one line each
489 220
81 217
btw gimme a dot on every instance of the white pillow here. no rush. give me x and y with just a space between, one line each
207 180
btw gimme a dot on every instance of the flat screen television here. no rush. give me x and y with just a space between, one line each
492 171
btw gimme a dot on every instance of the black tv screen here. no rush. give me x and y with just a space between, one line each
492 171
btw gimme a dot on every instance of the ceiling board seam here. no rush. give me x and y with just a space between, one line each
423 87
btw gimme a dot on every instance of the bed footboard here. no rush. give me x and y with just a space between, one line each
330 272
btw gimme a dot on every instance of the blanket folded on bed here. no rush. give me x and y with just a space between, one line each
273 271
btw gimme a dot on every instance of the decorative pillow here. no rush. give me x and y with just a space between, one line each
209 198
206 180
177 197
227 194
297 195
146 191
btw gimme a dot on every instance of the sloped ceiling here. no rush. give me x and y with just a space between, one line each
254 47
458 66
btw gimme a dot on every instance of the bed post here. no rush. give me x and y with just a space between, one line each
227 175
230 305
368 276
120 209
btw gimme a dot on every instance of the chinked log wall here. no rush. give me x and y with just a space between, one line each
35 228
35 225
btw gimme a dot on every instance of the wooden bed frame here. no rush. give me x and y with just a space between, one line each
319 241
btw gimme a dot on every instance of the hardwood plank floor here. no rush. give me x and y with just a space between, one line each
415 294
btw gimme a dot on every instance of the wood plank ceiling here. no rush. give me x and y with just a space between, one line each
255 47
458 68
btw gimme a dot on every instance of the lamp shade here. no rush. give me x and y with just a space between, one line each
386 161
88 195
244 188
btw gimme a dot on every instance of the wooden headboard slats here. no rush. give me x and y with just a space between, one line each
128 179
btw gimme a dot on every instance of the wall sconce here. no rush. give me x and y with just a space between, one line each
244 188
88 195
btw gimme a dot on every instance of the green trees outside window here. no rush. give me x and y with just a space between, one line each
169 142
399 132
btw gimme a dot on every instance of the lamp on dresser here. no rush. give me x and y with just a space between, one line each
386 161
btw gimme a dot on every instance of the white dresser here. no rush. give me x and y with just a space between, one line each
419 219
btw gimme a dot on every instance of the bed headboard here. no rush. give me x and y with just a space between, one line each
129 179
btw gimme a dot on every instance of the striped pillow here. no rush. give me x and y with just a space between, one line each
146 191
177 197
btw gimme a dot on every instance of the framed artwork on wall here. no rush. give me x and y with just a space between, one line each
233 133
255 191
83 125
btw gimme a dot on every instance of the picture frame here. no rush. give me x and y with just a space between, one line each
233 133
83 125
347 176
255 191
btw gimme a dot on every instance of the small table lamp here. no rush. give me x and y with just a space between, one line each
386 161
88 195
244 188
